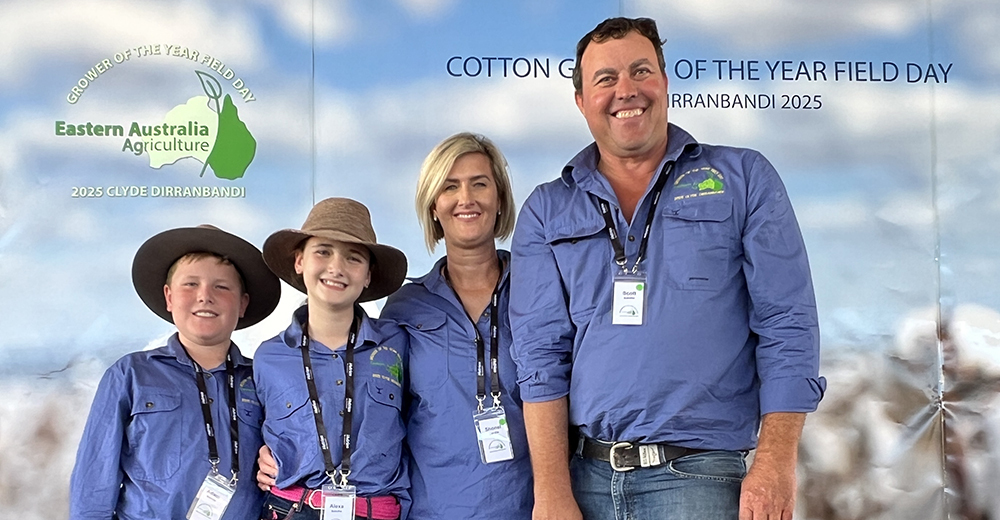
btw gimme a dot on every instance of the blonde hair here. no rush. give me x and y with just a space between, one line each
434 172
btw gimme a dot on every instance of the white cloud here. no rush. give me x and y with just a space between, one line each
329 20
772 23
71 29
425 8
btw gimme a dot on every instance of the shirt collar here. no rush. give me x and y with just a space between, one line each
436 283
582 169
293 334
174 349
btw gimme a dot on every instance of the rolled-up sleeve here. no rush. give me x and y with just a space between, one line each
97 476
539 315
783 312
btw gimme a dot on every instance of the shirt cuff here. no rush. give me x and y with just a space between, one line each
791 394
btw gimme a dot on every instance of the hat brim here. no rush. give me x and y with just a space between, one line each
388 270
156 255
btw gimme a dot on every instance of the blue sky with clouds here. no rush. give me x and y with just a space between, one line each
876 176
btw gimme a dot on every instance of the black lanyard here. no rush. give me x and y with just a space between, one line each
480 347
605 209
206 412
317 408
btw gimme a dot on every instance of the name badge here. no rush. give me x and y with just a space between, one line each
628 304
493 435
213 497
338 502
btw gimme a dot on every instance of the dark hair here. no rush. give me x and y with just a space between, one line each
617 28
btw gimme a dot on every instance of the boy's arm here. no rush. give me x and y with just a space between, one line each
97 476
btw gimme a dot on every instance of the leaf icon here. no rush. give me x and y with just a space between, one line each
234 146
211 87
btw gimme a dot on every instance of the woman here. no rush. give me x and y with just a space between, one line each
468 452
331 384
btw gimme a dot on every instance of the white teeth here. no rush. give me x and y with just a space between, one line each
624 114
205 314
334 284
467 215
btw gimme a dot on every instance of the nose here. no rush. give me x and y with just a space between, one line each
336 263
464 194
626 88
204 293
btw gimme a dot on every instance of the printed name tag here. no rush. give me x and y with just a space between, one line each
629 300
338 502
493 435
212 499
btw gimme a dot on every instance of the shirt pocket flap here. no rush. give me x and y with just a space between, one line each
423 320
250 413
700 211
150 400
288 402
570 229
387 394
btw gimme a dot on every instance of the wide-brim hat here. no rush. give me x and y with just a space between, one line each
345 220
156 255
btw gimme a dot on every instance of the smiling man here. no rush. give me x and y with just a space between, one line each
662 307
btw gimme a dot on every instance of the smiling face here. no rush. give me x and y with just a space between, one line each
335 273
205 298
624 97
467 206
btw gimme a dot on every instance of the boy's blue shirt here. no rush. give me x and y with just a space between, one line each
144 451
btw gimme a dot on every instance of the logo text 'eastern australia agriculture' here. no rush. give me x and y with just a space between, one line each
206 128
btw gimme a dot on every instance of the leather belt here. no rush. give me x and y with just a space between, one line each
626 456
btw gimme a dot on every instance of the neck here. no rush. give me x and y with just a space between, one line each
472 269
330 326
208 357
629 177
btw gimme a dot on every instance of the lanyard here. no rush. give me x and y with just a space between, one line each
206 412
324 444
605 208
480 347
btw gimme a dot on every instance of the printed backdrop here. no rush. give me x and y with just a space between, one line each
120 119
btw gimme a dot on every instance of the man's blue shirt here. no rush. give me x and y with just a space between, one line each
289 426
448 477
144 451
730 331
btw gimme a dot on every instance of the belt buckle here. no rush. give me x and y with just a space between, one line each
611 456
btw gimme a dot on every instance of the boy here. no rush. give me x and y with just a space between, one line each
174 431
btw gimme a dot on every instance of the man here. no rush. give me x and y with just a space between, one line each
661 303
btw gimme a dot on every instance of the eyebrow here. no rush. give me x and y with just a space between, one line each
476 178
613 71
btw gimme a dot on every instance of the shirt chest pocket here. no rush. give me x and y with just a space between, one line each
428 353
154 435
699 244
583 253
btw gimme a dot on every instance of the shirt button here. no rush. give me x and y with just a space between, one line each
208 375
340 382
341 413
334 355
210 400
631 238
420 326
392 396
149 404
288 405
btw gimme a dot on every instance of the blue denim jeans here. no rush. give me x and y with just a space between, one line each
704 486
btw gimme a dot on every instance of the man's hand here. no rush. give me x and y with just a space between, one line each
268 471
546 424
768 491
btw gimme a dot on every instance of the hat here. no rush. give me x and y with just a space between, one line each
156 255
345 220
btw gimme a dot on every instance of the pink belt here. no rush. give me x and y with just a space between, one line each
383 508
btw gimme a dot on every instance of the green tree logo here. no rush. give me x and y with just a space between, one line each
234 147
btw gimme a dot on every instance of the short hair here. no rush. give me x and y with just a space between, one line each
616 28
199 255
434 172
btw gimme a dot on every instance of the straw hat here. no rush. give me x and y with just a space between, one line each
345 220
156 255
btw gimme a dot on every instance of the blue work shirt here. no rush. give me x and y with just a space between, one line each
144 451
730 330
447 474
377 425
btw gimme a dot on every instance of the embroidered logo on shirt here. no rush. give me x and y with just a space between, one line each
698 183
248 393
388 360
